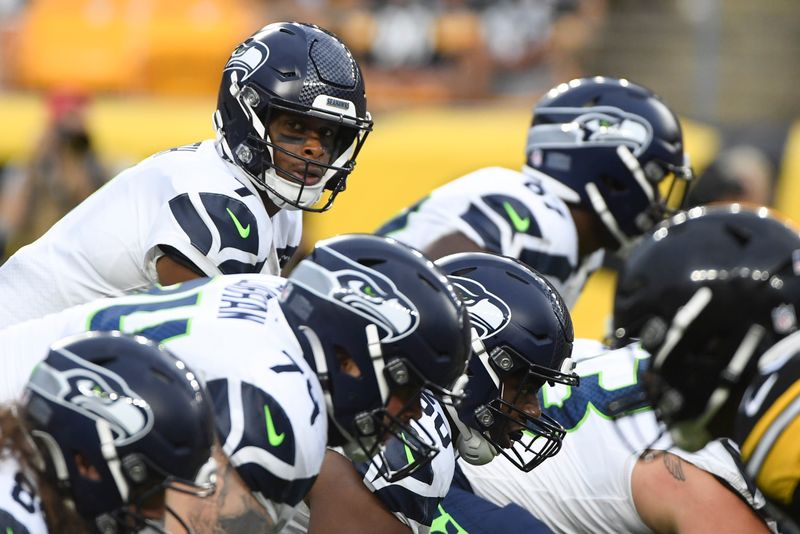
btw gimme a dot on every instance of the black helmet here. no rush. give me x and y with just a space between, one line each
706 293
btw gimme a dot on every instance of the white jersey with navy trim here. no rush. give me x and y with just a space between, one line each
505 212
187 199
269 408
20 506
586 487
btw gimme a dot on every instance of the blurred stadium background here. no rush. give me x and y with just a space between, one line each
450 84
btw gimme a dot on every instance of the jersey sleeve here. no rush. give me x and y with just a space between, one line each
217 233
274 434
414 500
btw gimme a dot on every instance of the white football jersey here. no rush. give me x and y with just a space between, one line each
269 407
586 487
20 506
188 199
505 212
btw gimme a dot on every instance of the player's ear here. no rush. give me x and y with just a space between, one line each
346 363
85 468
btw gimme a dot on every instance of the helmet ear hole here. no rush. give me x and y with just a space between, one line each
613 184
135 468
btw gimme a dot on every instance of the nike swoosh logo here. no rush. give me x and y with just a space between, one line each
755 401
244 231
274 438
520 224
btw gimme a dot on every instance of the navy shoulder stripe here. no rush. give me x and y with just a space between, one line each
12 525
400 221
485 228
235 222
411 504
190 222
521 219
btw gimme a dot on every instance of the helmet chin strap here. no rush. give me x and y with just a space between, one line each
109 451
601 208
471 445
474 448
351 446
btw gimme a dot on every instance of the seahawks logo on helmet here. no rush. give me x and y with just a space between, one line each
248 58
601 125
364 291
488 313
106 398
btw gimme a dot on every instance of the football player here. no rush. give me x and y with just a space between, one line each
291 118
337 354
707 295
604 161
106 425
522 338
616 470
602 478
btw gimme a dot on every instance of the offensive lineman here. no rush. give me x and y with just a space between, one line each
605 161
362 325
107 424
291 117
522 338
713 295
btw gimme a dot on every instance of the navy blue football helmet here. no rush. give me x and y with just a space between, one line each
301 69
610 147
374 302
127 408
706 294
522 338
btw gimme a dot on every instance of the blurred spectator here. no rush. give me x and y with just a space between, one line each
742 173
62 171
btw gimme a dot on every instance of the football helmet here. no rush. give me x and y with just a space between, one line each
611 147
126 408
706 294
383 306
522 338
301 69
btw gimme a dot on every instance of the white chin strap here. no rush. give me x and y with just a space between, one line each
471 445
601 208
474 448
111 457
351 448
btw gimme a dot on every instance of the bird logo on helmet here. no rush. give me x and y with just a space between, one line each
364 291
487 312
610 147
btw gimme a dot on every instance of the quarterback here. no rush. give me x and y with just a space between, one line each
290 119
